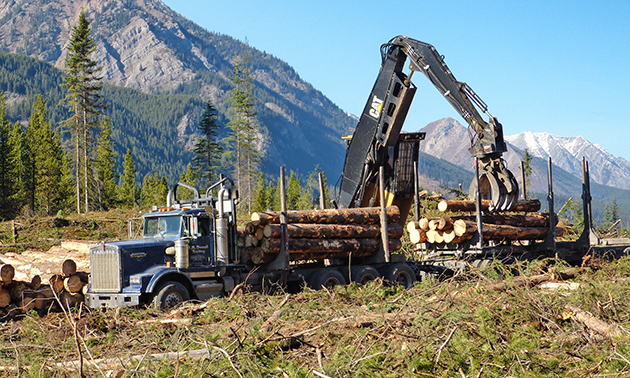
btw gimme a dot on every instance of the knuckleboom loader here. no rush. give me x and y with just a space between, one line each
377 140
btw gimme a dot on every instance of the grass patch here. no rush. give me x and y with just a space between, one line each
438 328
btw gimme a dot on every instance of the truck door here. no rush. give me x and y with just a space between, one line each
201 247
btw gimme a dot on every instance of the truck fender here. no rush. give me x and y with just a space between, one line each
171 274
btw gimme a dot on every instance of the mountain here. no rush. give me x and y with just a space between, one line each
566 152
144 45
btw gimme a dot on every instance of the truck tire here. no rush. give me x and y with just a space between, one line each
325 278
363 274
400 274
170 294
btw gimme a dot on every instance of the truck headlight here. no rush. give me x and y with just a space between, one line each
170 251
136 280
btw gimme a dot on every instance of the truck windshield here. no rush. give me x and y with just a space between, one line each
162 226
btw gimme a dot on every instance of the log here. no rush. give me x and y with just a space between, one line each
68 268
250 228
69 300
333 231
519 220
259 233
424 224
17 289
5 298
363 215
84 276
56 283
433 224
258 257
27 303
336 247
41 301
73 284
448 236
36 282
413 226
530 205
535 280
417 236
445 223
501 232
462 227
591 322
434 237
7 272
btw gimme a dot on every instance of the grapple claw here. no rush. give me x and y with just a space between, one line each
497 184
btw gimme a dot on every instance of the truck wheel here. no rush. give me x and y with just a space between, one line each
170 294
325 278
400 274
364 274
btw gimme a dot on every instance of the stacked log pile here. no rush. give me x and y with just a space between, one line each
318 234
458 223
19 297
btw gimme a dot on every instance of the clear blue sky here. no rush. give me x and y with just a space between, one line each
560 67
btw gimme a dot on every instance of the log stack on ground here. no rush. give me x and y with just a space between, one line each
318 234
458 223
18 297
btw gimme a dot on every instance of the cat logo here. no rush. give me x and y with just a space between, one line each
377 105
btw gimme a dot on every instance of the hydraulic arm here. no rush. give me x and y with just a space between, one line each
384 114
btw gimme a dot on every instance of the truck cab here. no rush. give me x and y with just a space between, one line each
184 253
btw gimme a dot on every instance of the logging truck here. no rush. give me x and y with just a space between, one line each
193 249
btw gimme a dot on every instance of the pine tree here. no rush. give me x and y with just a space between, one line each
208 150
261 199
62 201
527 169
6 178
273 202
45 171
105 168
154 190
84 98
243 155
20 162
310 192
294 191
187 177
127 195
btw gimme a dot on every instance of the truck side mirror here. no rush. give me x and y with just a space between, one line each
194 227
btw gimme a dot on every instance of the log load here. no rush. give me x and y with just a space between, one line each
318 234
21 296
523 223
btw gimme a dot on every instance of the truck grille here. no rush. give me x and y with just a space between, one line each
105 270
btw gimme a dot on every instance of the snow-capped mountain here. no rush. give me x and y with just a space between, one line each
567 153
449 140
